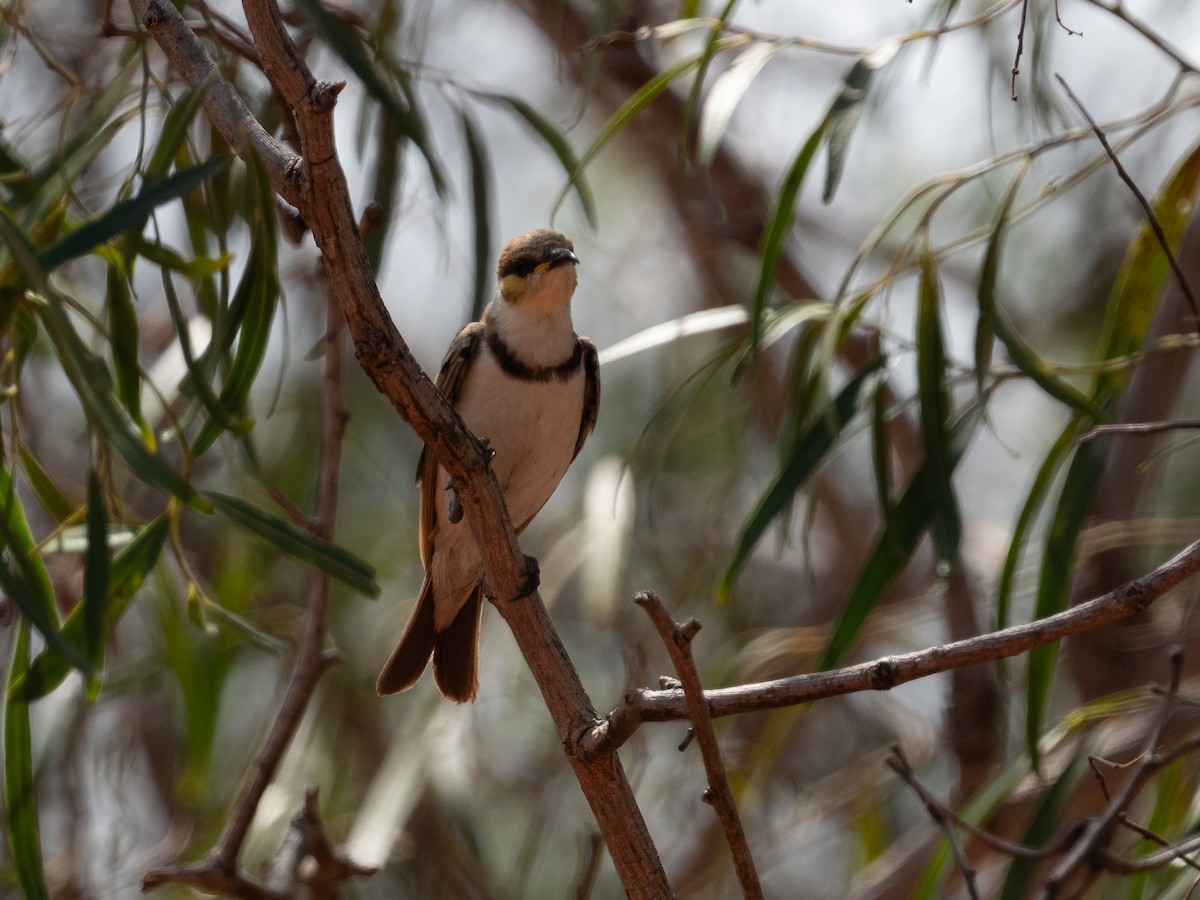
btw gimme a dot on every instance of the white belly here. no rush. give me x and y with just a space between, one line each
532 427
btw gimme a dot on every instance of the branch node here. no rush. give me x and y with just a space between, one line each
884 675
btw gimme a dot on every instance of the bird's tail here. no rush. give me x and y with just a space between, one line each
455 650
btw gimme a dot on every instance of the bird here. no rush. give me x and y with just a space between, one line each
528 386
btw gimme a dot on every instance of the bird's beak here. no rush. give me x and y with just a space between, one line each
562 255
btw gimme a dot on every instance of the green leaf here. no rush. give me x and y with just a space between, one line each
342 40
123 336
20 795
89 376
1041 374
847 110
174 131
56 505
27 582
711 44
127 213
197 377
481 181
644 96
558 145
1144 273
256 300
935 413
776 230
897 541
92 383
727 92
985 329
95 573
811 449
126 573
298 543
1058 563
1025 519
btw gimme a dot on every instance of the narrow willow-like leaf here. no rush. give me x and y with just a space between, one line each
89 376
711 43
174 130
243 626
985 328
481 186
92 383
129 212
776 230
881 453
1025 519
126 572
20 796
195 268
1041 374
345 43
847 110
298 543
897 542
642 98
15 175
1144 273
256 300
935 413
95 573
1041 829
26 582
727 92
123 340
1058 563
553 138
809 452
56 505
197 377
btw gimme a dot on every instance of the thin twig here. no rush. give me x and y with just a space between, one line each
1016 66
1174 851
1139 429
888 672
1090 851
678 641
1141 198
899 764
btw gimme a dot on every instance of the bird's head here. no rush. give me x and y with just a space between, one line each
537 269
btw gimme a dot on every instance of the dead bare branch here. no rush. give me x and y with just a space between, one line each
884 674
678 641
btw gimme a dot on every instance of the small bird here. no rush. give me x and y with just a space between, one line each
526 384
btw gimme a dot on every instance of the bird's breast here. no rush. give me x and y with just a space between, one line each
531 425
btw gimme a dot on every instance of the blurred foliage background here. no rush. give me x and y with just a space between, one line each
859 289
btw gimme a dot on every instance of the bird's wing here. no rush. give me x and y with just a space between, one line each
591 393
449 381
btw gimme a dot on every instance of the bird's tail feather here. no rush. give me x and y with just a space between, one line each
411 655
456 651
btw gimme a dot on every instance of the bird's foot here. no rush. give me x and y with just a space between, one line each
533 577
